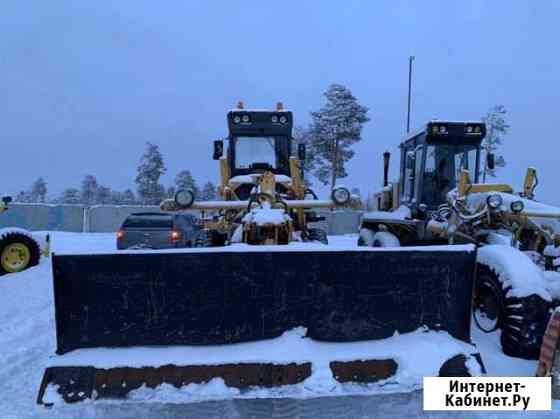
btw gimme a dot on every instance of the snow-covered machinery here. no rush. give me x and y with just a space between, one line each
19 250
436 202
264 197
265 302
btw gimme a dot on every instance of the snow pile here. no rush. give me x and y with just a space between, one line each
431 350
401 213
266 216
515 270
552 280
254 177
346 245
8 230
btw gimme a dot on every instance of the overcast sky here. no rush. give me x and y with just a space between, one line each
85 84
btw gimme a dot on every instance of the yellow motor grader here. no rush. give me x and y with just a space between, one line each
264 197
263 302
438 200
18 249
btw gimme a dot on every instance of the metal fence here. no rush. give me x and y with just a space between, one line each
108 218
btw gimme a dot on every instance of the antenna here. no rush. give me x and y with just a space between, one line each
410 60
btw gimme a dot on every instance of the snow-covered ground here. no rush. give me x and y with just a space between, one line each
27 342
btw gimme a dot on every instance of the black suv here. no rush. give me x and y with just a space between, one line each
153 230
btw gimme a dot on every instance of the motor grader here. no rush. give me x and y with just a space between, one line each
438 200
18 249
264 198
264 303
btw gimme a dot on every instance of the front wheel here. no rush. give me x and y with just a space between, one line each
385 239
488 305
317 235
17 253
522 320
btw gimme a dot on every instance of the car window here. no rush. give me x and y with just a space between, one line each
148 221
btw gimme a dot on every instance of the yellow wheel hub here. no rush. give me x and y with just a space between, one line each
15 257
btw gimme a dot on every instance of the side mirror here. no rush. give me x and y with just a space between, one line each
301 151
6 199
490 161
218 149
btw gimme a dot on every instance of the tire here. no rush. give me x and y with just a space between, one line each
18 252
365 238
523 320
385 239
203 239
317 235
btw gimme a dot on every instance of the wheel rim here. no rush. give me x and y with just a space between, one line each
487 307
15 257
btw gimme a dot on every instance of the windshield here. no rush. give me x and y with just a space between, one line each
250 150
442 171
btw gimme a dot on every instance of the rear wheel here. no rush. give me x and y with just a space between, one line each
17 253
365 238
317 235
385 239
522 320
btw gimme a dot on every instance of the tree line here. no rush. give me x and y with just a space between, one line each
329 138
149 190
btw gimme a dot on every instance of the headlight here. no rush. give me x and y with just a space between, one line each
494 201
246 118
236 119
184 198
274 119
283 119
340 196
517 206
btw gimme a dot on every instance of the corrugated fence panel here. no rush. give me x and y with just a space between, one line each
108 218
44 217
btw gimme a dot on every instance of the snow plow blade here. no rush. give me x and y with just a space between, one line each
219 297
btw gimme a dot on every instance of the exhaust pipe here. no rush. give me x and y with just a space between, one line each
386 158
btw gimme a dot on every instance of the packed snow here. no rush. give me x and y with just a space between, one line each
253 178
401 213
515 270
267 216
27 343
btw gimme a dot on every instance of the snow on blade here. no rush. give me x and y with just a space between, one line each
515 270
431 350
345 246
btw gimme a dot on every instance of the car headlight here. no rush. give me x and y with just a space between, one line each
184 198
340 196
495 201
517 206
